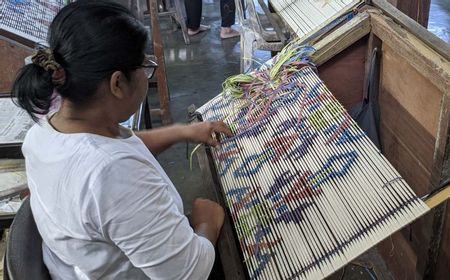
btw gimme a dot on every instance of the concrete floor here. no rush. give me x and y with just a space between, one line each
439 20
195 73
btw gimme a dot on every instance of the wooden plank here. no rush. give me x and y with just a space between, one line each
439 198
341 38
408 47
344 74
417 77
441 154
442 266
12 59
410 105
412 90
403 160
418 10
20 40
414 28
161 77
408 133
442 146
399 257
427 267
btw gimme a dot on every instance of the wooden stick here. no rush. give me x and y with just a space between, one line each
341 38
409 24
438 198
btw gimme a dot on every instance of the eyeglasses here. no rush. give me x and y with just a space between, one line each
149 67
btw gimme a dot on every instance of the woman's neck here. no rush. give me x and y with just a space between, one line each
92 118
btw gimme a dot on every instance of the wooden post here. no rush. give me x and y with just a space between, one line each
418 10
163 90
439 174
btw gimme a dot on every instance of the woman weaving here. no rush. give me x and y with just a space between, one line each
102 203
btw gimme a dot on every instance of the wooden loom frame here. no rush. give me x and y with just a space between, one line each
428 55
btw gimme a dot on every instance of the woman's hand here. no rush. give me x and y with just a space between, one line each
202 132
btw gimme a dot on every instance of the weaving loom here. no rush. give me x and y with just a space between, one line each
28 19
307 16
307 190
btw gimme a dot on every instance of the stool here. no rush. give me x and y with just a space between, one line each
174 9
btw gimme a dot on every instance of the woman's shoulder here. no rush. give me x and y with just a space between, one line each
88 152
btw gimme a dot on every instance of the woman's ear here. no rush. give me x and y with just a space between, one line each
117 84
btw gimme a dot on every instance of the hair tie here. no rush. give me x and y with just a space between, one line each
45 59
59 77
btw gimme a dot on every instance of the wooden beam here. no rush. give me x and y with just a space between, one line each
410 25
418 10
341 38
439 198
442 145
161 77
441 154
422 57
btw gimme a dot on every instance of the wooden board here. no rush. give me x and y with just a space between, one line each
403 160
442 266
12 59
408 47
347 88
410 106
342 38
428 38
418 10
399 257
438 252
415 81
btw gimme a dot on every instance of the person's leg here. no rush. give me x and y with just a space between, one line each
228 14
194 16
193 13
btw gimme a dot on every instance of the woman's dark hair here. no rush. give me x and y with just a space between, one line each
89 40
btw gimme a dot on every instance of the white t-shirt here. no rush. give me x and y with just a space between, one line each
106 209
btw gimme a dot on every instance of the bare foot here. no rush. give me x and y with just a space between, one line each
200 29
228 32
